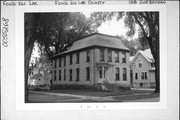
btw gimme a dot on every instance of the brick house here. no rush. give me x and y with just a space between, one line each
91 60
143 69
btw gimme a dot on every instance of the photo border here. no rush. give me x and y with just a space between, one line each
19 59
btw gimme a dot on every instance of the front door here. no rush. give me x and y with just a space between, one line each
102 74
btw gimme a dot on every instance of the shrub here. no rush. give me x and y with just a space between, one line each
73 87
124 87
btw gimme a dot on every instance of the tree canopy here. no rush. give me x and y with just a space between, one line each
56 31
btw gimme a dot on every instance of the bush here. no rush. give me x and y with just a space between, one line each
73 87
123 88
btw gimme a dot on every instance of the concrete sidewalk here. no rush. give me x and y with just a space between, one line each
148 89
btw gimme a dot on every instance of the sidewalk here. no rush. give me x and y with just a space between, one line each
148 89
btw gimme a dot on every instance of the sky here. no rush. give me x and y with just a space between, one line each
113 27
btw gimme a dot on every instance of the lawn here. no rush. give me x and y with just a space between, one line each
100 93
91 96
41 98
137 97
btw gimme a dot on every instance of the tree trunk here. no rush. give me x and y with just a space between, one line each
155 54
157 66
157 77
28 51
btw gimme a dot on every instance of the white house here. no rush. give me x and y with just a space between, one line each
142 69
92 60
40 74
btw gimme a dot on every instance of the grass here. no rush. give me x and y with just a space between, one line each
116 95
99 93
40 98
137 97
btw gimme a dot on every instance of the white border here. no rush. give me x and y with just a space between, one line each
19 59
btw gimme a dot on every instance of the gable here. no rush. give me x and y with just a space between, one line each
140 57
145 54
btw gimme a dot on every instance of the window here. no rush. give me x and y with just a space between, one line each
140 64
64 75
88 56
100 73
59 74
102 54
117 75
70 59
152 64
59 62
136 76
123 57
77 58
54 63
54 75
116 56
142 75
77 74
70 75
124 74
87 73
65 61
145 75
104 74
109 55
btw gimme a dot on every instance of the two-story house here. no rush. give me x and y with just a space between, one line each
92 60
143 69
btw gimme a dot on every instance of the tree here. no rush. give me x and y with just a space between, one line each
133 45
55 31
148 23
30 33
58 30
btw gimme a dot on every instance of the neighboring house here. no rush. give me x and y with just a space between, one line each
92 60
38 79
40 73
142 70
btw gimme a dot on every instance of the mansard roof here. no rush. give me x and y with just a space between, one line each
97 39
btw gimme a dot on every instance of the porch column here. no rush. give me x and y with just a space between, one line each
102 71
